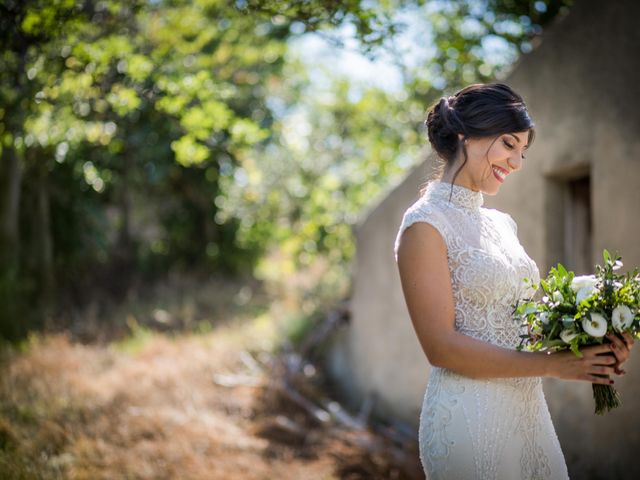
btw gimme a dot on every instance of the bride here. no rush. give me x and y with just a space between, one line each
484 415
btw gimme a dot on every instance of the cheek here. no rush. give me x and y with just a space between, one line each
497 151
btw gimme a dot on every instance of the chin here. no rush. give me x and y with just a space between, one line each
491 189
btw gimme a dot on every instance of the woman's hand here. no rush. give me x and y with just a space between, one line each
621 349
596 364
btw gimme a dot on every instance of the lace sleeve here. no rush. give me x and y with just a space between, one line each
421 213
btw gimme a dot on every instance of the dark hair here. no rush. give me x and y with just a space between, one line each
478 110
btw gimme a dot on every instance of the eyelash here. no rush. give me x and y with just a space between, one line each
511 147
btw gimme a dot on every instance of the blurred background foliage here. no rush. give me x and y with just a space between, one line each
140 137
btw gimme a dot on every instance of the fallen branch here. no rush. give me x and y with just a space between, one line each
316 412
237 379
335 317
287 375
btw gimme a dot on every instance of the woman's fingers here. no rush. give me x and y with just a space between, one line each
606 360
620 349
604 363
628 338
601 369
617 343
629 341
602 348
597 379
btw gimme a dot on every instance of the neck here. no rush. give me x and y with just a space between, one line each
460 180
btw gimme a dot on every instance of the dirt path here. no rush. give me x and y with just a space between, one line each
149 408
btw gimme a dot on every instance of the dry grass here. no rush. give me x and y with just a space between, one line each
146 407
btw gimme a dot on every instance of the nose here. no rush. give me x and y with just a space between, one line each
515 163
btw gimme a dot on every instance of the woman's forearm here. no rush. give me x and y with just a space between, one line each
475 358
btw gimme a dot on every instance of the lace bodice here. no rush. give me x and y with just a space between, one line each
488 428
486 260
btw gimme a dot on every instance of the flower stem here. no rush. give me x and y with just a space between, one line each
606 398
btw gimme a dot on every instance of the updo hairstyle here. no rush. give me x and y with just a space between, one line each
477 111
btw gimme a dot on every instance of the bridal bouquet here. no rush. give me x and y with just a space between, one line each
581 310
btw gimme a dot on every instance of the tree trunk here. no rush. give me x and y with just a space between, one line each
10 183
125 206
45 240
121 266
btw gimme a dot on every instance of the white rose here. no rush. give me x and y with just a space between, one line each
621 317
567 335
596 326
584 292
544 317
582 281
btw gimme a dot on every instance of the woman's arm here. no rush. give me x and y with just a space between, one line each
426 284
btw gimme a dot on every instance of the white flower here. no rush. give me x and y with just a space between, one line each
544 317
621 317
567 335
557 296
582 281
584 292
596 326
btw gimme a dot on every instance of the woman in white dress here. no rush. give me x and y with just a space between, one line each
484 414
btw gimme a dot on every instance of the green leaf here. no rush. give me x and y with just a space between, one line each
562 270
545 285
188 151
575 349
553 343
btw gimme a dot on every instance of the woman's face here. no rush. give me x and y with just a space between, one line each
491 161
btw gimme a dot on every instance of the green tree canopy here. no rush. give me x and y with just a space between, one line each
140 136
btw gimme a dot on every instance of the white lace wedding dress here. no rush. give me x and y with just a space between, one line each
495 428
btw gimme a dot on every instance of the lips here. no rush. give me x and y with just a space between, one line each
499 173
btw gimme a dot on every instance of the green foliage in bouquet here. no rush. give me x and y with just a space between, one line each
582 310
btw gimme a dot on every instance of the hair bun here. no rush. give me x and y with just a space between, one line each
478 110
451 116
443 126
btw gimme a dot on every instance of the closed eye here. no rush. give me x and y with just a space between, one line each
511 147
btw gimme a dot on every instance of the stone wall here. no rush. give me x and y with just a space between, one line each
580 85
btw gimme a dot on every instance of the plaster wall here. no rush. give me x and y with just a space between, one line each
580 85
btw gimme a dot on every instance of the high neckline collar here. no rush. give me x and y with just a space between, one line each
460 196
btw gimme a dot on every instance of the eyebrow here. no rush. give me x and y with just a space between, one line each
518 140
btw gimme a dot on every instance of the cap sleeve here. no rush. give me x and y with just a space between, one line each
512 223
420 212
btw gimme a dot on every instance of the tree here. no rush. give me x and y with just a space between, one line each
137 136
